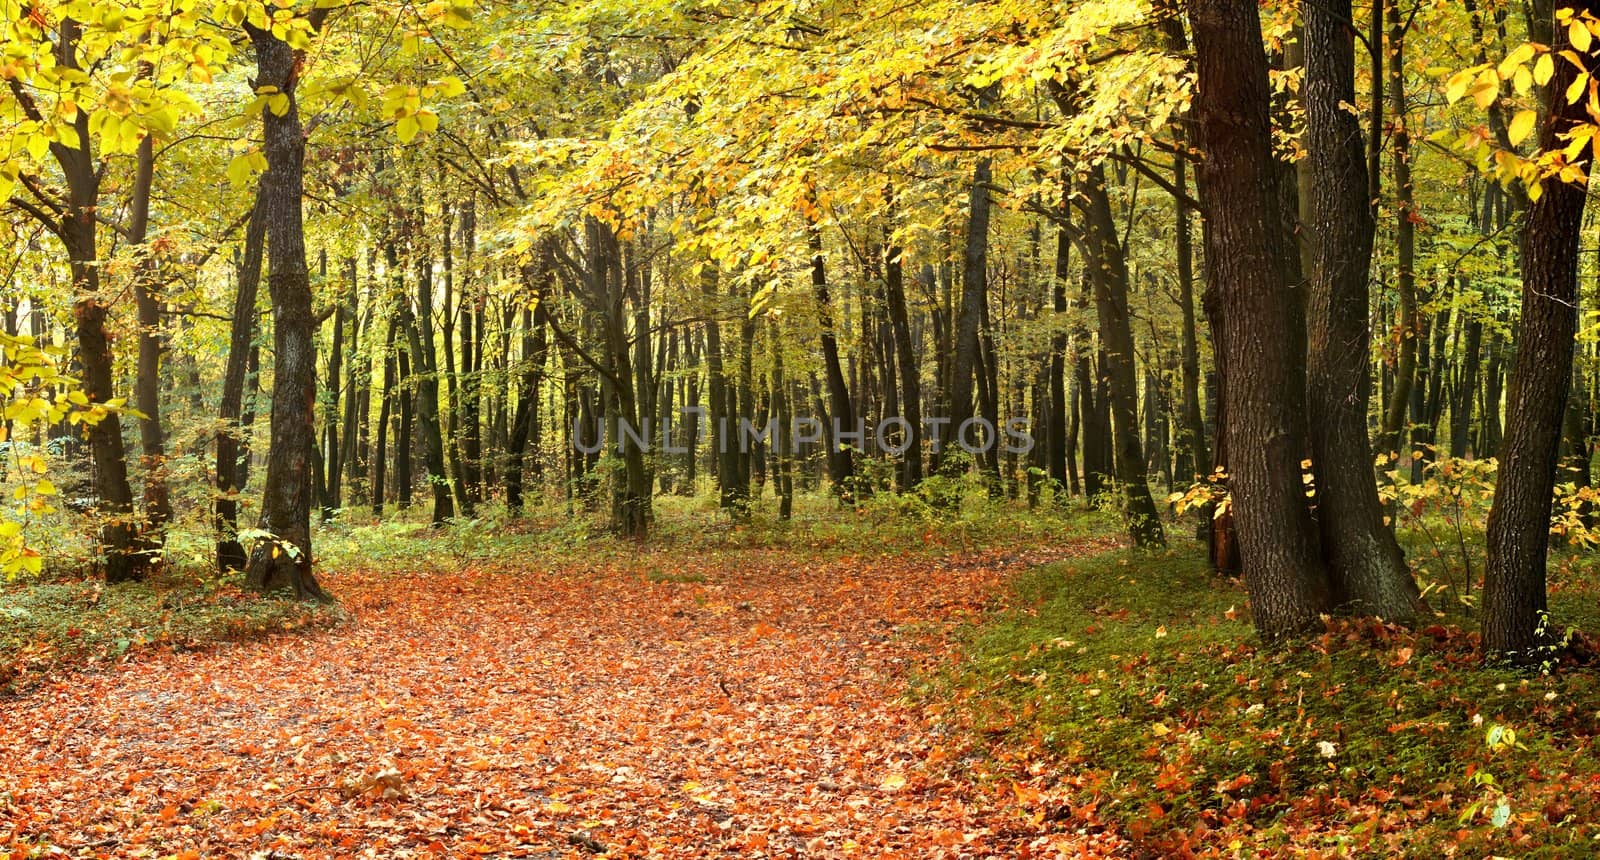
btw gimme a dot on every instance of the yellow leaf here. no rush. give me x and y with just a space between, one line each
893 782
1544 69
1522 125
1522 81
1458 84
1515 59
1575 89
1579 35
451 87
1487 89
407 128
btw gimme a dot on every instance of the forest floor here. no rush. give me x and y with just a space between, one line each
882 682
742 701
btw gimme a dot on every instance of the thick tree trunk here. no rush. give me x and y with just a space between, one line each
1514 596
283 561
1245 245
1368 572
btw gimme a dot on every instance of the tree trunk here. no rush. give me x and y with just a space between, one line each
473 337
283 561
1059 436
967 362
906 359
230 552
783 441
419 337
380 448
348 451
1514 598
841 414
534 352
330 403
1367 570
1264 397
452 376
1109 275
1094 425
147 386
122 555
1410 330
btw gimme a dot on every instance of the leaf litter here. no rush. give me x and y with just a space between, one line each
749 706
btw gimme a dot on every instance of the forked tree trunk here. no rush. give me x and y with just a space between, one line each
1245 248
419 337
1368 572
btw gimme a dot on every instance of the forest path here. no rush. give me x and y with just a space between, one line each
741 703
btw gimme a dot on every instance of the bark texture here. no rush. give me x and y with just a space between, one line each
1264 397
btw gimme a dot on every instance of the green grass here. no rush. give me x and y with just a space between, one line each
554 533
47 625
1134 682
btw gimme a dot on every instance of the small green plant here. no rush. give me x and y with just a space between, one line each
1492 796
